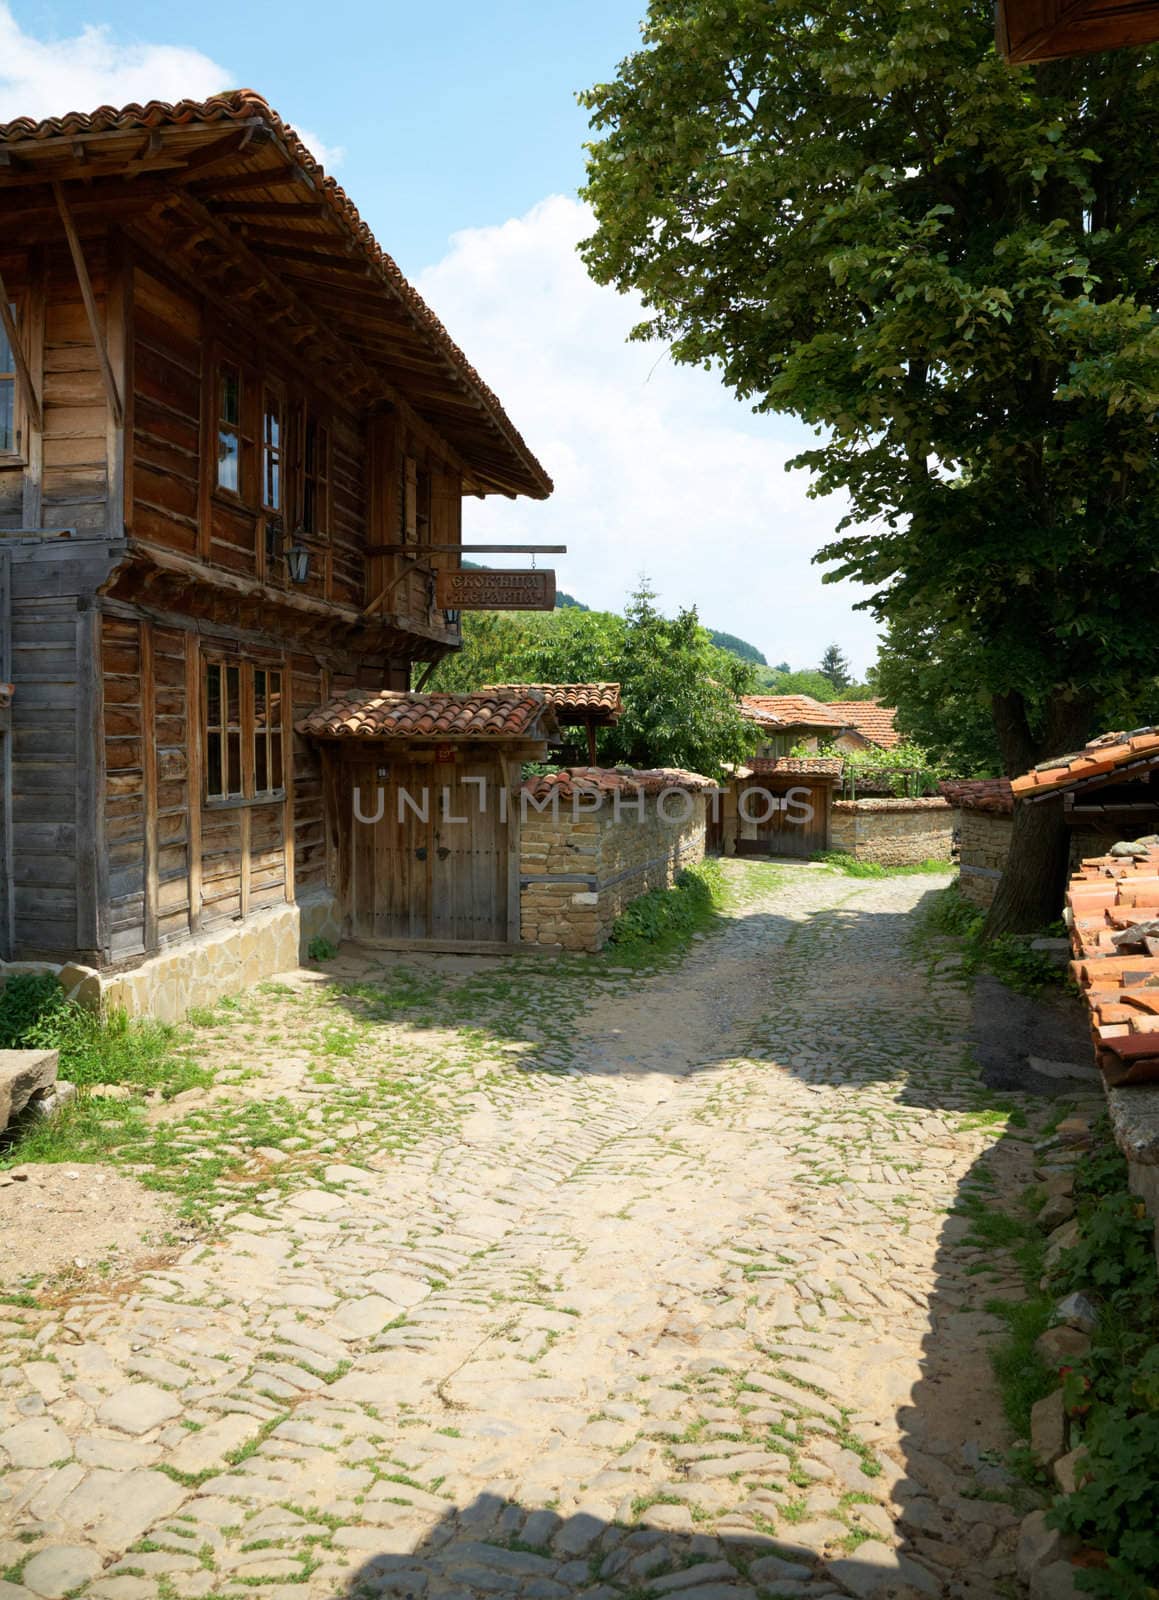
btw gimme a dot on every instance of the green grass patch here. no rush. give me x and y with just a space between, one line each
853 868
663 921
949 915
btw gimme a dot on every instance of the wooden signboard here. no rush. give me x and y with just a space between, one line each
484 589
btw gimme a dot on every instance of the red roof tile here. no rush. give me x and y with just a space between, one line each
390 714
979 794
573 702
305 176
1110 755
612 780
804 766
872 721
791 711
1116 967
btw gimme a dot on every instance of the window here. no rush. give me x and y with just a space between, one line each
272 454
243 732
415 503
267 732
9 436
315 477
229 429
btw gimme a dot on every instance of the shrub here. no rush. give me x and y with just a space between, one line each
320 949
667 918
27 999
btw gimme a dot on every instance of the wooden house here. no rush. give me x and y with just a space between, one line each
234 447
790 721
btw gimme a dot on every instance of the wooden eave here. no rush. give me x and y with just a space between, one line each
158 579
243 204
1048 30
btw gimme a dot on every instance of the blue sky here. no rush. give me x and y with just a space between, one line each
454 128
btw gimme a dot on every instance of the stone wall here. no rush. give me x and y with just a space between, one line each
984 846
894 833
204 969
581 866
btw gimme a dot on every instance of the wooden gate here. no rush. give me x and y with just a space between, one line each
436 861
798 826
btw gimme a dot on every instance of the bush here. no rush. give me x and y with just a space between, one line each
664 919
27 1000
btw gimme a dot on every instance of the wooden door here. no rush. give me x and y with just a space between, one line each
434 863
798 829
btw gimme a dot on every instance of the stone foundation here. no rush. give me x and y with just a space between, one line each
199 971
1135 1120
984 846
581 868
894 833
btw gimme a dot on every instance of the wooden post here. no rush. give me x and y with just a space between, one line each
288 773
149 782
86 290
8 926
31 398
591 727
194 737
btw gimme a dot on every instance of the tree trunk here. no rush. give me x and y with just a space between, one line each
1030 891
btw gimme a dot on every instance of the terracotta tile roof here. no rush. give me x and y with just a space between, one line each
924 802
979 794
610 780
1110 755
1117 967
872 721
303 174
803 766
390 714
573 702
791 711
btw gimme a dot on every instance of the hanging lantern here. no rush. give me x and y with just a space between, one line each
298 559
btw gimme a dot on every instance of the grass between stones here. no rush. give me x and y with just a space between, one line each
852 867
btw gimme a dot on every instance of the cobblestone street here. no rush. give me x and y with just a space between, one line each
676 1306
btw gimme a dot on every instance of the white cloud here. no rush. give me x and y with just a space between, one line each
657 468
47 77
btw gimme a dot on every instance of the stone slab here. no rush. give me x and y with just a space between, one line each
24 1073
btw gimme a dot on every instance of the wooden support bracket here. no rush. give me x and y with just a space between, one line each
31 398
86 289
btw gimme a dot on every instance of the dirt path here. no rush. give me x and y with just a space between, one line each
671 1305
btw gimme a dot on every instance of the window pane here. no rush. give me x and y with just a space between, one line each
275 699
228 461
230 412
261 764
310 506
233 687
259 699
7 413
234 748
276 774
213 696
214 787
272 445
6 362
273 484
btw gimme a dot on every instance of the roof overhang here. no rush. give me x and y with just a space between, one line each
1047 30
252 199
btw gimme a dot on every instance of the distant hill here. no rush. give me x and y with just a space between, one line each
738 647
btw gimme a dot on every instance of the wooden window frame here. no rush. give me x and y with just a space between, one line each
243 734
321 477
222 363
272 537
18 455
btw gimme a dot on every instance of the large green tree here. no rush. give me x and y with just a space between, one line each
946 266
680 691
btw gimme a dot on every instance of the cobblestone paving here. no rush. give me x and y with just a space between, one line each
677 1309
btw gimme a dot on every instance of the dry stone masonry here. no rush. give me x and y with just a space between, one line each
894 833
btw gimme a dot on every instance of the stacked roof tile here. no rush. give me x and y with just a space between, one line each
391 714
573 702
979 794
790 711
1113 906
1111 756
871 720
629 781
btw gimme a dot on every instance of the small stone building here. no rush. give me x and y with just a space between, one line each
893 832
983 820
779 806
593 840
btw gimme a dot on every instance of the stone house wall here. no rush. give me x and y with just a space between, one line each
983 848
894 833
582 866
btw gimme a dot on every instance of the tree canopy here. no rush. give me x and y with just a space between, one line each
679 689
835 666
946 266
